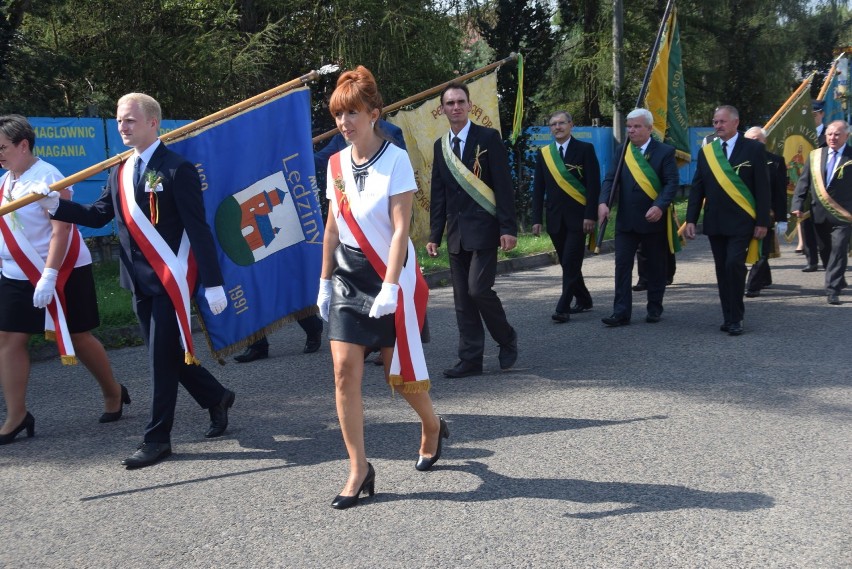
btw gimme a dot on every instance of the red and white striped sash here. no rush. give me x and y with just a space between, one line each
408 365
177 272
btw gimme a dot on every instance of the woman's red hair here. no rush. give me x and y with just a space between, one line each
356 91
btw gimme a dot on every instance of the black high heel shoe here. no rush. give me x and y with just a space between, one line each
368 485
28 423
425 463
116 415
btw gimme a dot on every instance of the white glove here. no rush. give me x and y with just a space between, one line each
216 299
324 298
45 288
385 302
781 228
51 199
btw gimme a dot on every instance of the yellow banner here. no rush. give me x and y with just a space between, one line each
424 125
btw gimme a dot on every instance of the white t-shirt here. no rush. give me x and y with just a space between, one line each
34 221
389 173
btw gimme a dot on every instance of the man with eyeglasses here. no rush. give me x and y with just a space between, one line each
568 180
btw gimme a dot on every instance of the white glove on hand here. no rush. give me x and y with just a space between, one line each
216 299
51 199
781 228
385 302
45 288
324 298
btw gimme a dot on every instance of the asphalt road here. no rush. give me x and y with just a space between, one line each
650 445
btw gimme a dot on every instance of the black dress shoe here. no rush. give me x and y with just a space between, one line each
253 353
464 369
219 415
508 352
341 502
735 328
752 293
640 286
833 298
425 463
653 318
147 454
577 308
614 320
725 327
116 415
560 317
28 423
312 344
810 269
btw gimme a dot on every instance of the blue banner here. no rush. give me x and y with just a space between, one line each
260 193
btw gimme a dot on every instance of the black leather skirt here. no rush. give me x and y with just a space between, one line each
355 286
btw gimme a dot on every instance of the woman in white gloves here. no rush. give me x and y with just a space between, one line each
46 286
371 290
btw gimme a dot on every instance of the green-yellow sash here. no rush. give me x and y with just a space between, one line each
831 206
650 183
475 187
564 179
733 185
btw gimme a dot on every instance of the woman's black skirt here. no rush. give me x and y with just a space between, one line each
355 286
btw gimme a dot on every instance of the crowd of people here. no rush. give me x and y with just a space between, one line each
371 292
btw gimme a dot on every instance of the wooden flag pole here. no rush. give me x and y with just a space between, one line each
172 136
829 77
427 93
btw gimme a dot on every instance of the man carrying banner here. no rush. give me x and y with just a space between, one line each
472 195
760 276
166 248
830 189
567 177
731 184
648 184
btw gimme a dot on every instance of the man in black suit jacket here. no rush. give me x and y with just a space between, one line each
830 188
760 275
180 212
643 216
730 227
810 247
472 195
571 212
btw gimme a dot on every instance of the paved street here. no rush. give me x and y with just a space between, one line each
650 445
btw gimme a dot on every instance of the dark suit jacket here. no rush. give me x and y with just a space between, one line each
840 188
722 216
633 202
563 211
181 208
470 227
777 185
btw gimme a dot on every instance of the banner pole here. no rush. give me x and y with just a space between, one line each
172 136
428 92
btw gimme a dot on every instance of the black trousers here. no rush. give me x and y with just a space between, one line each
833 243
473 274
656 251
729 255
570 249
159 326
810 246
671 266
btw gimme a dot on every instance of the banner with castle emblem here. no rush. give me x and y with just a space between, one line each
260 193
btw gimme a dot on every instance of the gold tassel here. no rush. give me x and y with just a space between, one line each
50 335
189 359
68 360
396 381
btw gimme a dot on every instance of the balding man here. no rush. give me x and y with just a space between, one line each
760 275
731 185
830 188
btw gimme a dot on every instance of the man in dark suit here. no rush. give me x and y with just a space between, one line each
160 180
568 179
731 184
830 187
809 245
472 195
760 275
648 183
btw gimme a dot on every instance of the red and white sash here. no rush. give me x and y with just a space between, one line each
31 263
408 366
177 272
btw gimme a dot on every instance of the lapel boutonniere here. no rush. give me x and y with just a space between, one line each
745 164
839 174
575 168
647 155
153 184
477 168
